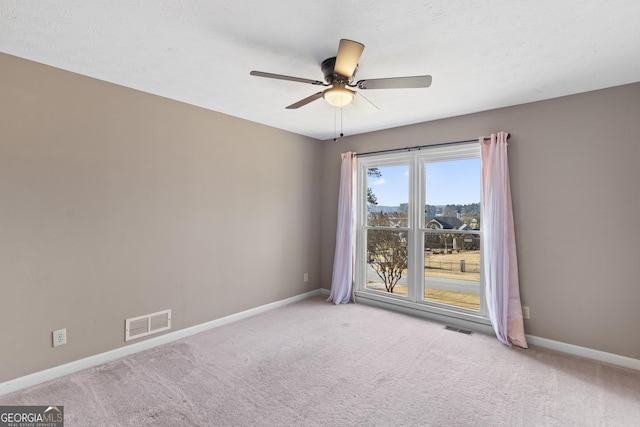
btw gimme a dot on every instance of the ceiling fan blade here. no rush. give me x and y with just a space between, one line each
347 58
362 103
283 77
305 101
396 83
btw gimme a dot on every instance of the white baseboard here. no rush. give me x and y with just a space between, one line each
102 358
601 356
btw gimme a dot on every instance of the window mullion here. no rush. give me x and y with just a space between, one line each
415 188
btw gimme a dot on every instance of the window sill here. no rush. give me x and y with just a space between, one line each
442 315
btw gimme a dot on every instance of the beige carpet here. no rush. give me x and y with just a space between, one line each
316 364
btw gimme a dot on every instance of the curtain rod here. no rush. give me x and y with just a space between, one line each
419 147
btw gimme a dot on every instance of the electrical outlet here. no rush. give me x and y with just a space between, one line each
306 277
525 312
59 337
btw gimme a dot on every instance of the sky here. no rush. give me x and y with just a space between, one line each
450 182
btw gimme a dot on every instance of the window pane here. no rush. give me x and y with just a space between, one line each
452 242
388 196
452 194
452 268
387 261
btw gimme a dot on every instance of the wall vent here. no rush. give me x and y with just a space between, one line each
141 326
462 331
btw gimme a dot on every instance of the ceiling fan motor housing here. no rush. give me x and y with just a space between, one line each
330 76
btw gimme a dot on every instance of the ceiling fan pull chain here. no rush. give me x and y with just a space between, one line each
335 124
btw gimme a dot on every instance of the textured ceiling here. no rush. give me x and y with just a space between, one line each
482 54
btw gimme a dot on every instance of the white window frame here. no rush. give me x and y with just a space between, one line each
416 221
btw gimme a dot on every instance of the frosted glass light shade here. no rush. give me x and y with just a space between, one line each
338 96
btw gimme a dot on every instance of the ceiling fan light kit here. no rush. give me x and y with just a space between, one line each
339 73
338 96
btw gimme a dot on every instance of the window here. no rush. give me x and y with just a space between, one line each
419 228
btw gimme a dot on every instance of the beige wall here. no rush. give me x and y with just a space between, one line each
575 170
115 203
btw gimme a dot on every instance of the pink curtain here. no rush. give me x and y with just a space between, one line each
342 279
500 264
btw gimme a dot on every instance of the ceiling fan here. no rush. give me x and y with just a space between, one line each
339 73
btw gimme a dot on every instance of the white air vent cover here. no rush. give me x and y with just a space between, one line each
141 326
